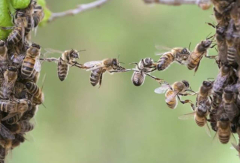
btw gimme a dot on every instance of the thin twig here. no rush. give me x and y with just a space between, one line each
80 8
177 2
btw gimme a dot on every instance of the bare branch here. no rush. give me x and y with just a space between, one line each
80 8
204 4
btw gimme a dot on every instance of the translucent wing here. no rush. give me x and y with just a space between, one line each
10 115
49 51
207 129
6 133
233 139
187 116
92 65
162 89
162 48
37 65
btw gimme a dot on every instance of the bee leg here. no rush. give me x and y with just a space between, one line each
185 101
155 78
195 70
100 81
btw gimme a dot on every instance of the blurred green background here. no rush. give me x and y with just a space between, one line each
120 123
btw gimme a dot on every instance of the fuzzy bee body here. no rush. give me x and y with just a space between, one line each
15 36
63 69
138 78
96 76
172 103
36 92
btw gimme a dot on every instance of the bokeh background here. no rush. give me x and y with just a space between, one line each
120 123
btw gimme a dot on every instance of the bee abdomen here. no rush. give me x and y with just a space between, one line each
165 61
171 103
200 123
138 78
193 60
95 77
13 119
27 67
231 55
62 70
26 126
224 139
15 36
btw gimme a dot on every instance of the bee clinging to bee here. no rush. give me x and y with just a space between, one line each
98 68
179 55
180 88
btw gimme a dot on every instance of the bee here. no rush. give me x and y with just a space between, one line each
222 6
29 114
3 56
234 15
21 127
195 57
36 92
20 91
221 43
173 92
204 92
19 138
3 154
200 115
145 66
229 99
10 77
38 15
179 55
222 79
224 128
68 57
99 67
29 61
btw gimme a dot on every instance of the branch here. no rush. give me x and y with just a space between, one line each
204 4
79 9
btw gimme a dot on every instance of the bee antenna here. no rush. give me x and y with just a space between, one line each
44 105
211 24
122 62
189 46
43 80
81 50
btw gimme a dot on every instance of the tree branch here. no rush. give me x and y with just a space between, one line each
80 8
178 2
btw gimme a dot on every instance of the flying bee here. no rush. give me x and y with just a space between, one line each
224 128
173 92
21 127
99 67
10 77
204 92
3 56
200 115
29 61
200 50
222 79
36 92
229 98
179 55
143 68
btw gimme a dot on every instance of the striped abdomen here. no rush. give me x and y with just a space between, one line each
200 120
95 76
29 26
30 113
194 59
25 126
172 101
14 119
224 136
62 69
138 78
231 55
27 67
165 61
7 106
15 36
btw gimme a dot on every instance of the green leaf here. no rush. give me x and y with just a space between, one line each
5 18
20 4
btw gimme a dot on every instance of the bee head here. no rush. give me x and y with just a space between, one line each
207 83
36 46
224 117
13 69
115 62
206 44
186 83
225 68
74 54
185 51
148 61
182 56
34 50
2 43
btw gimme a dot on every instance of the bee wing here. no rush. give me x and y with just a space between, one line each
207 129
235 146
162 89
10 115
92 65
37 65
187 116
49 51
233 139
6 133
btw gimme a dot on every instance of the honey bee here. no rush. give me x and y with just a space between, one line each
173 92
99 67
221 43
229 99
20 91
200 115
3 56
38 15
21 127
179 55
195 57
234 15
145 66
224 128
222 6
68 57
10 77
36 92
29 114
19 138
204 92
29 61
222 79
